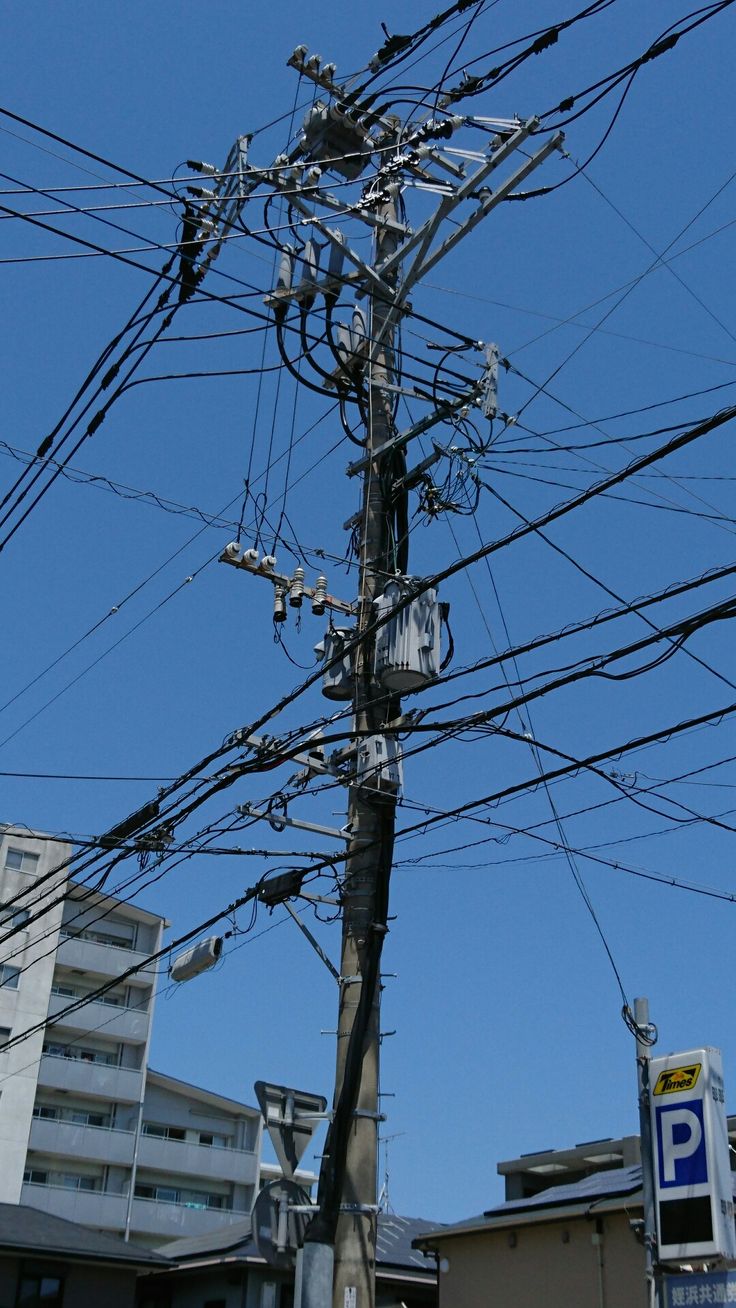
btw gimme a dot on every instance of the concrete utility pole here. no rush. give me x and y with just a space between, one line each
340 136
641 1017
372 821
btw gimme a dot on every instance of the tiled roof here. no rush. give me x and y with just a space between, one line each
31 1230
613 1181
393 1247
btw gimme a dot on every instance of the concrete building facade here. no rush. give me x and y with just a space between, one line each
88 1131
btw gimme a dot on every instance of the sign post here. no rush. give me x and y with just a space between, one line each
692 1173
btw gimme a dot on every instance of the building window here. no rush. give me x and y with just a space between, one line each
164 1132
19 860
9 976
32 1176
72 1181
13 917
84 1055
46 1111
165 1194
5 1033
214 1141
39 1291
101 938
81 1117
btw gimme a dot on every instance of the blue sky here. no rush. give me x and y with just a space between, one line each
504 1004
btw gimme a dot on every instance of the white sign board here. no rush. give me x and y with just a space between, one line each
692 1171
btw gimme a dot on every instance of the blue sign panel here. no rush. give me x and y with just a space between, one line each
681 1144
708 1287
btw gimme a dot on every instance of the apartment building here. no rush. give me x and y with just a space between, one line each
87 1130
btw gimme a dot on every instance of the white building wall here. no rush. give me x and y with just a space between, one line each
27 1005
90 1114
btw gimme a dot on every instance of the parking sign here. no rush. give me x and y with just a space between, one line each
692 1172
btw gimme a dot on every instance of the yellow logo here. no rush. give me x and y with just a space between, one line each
677 1079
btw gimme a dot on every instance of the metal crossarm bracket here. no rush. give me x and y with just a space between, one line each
281 820
316 946
281 579
445 411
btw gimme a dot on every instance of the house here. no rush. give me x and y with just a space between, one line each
569 1232
578 1243
226 1270
48 1260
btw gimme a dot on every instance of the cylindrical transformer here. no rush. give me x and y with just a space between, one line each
337 681
408 644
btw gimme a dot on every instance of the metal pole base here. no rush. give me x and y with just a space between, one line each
314 1268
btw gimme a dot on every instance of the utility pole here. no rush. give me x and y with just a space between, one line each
641 1018
395 646
371 818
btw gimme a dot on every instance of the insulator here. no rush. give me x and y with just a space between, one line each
299 54
286 270
344 344
314 62
328 72
296 589
280 160
279 604
335 262
312 176
199 166
359 332
251 557
320 596
233 549
310 270
268 562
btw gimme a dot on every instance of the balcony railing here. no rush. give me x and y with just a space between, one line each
183 1158
100 1080
149 1216
102 1144
118 1023
155 1217
89 1207
78 951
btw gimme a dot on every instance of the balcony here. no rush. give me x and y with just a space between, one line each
169 1221
201 1161
114 1022
91 956
93 1143
98 1080
90 1207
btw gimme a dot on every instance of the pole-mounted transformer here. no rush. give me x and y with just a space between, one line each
407 653
337 681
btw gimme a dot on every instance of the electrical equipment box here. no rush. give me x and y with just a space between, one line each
334 136
337 681
378 765
408 644
197 959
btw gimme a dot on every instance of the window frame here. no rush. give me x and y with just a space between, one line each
23 854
